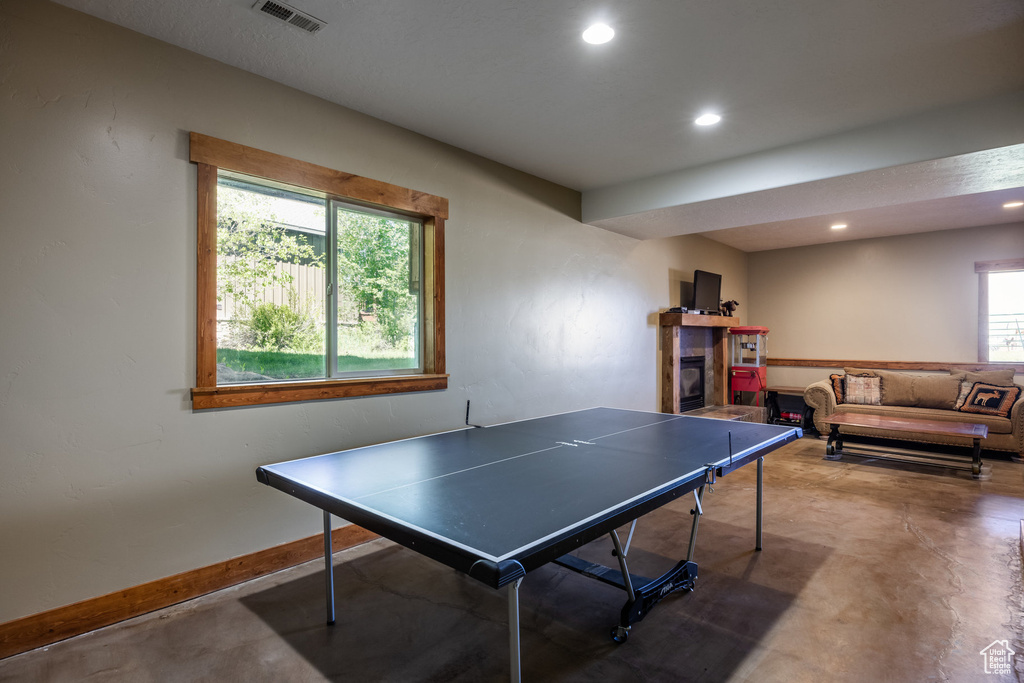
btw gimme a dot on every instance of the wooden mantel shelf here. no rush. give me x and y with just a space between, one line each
671 326
668 319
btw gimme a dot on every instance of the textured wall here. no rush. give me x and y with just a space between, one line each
108 477
909 298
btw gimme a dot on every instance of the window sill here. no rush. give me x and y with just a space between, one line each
233 396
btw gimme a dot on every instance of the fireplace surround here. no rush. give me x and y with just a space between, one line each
687 335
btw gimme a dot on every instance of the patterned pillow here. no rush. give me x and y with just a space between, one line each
837 386
864 390
965 391
990 399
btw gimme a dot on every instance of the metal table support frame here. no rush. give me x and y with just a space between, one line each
329 567
641 600
515 673
760 501
835 448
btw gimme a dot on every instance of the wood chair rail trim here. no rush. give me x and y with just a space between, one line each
924 366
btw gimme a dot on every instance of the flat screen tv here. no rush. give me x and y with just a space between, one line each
707 291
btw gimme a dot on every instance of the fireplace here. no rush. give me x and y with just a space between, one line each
685 335
691 383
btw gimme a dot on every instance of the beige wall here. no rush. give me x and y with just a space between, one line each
108 478
908 298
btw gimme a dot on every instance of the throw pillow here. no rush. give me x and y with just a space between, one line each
864 390
837 386
991 399
965 391
936 391
897 388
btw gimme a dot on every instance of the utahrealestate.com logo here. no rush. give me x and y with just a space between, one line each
998 657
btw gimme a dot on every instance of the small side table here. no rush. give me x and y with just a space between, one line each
798 413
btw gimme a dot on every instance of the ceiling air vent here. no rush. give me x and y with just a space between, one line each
289 14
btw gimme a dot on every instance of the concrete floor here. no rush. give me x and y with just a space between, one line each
870 571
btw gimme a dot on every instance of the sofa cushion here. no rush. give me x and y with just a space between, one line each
897 388
863 390
921 391
936 392
1001 378
990 399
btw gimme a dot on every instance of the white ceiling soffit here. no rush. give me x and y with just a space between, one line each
956 192
783 198
514 82
949 213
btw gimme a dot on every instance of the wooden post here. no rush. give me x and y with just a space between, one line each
721 372
670 369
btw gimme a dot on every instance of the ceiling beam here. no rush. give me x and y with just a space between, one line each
655 207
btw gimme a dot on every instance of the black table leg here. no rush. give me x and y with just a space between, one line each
835 444
976 460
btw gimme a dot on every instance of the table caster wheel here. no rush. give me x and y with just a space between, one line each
620 634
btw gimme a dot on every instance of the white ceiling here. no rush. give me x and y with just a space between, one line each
512 81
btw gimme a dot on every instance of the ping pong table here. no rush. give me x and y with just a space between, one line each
498 502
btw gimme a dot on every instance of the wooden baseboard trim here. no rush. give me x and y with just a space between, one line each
45 628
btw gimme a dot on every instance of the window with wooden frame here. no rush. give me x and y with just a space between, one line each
1000 311
312 283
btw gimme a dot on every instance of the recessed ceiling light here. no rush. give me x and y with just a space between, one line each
707 119
839 226
1013 205
598 33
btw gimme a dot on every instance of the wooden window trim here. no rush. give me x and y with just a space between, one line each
998 266
983 268
210 154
